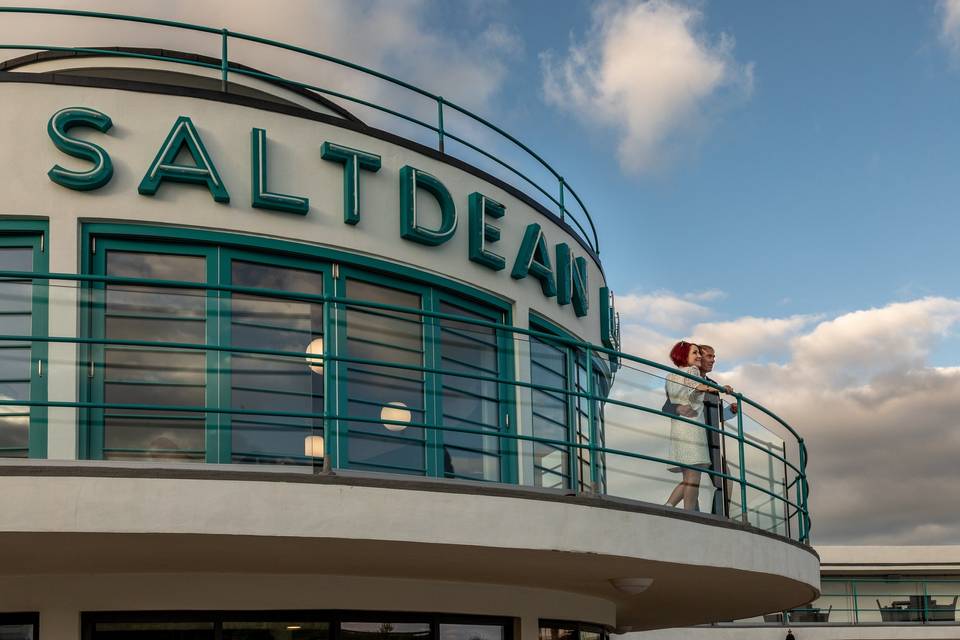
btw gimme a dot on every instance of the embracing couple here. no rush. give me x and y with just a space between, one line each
693 446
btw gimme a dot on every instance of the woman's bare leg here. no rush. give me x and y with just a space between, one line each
691 489
676 495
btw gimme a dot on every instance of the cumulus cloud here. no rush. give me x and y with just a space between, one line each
647 70
950 25
749 337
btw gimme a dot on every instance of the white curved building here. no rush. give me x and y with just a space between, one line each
279 364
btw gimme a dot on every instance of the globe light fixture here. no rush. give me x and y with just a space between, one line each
397 412
315 359
313 446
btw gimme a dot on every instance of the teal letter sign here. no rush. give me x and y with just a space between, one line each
182 136
572 280
410 228
352 160
102 170
534 259
481 233
260 197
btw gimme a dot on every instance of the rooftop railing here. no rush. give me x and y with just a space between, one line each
475 139
379 387
878 600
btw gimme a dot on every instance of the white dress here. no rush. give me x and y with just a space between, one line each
688 442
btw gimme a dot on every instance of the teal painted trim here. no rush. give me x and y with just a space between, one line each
411 181
183 136
58 127
353 160
288 247
481 233
260 196
533 258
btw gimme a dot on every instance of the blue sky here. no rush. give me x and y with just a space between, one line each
780 179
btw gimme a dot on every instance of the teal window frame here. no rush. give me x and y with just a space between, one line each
337 267
575 360
32 234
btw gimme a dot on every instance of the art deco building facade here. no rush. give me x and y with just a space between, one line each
327 356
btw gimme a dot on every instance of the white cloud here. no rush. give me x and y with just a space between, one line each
645 69
750 337
950 27
661 308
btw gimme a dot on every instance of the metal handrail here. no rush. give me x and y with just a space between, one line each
793 507
225 67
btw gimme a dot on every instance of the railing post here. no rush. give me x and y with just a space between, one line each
856 605
924 583
224 65
563 209
743 463
440 121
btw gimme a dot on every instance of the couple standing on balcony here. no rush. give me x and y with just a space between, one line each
691 445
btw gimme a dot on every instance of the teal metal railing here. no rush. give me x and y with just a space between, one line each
551 195
624 452
878 600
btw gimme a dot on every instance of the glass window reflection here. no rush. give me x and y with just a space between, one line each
16 304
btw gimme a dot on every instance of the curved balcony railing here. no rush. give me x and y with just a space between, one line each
586 420
456 130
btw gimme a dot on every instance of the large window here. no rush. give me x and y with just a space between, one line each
23 312
19 626
253 364
291 625
563 414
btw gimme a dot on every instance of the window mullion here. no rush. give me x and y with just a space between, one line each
433 385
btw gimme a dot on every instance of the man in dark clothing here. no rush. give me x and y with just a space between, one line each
790 635
715 414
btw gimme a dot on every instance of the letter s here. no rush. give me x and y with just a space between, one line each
102 170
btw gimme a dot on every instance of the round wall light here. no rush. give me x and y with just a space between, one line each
313 446
396 412
315 359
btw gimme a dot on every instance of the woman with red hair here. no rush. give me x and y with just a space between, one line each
688 442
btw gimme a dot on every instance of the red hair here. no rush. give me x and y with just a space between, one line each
680 354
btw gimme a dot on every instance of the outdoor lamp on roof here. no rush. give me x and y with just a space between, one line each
315 359
395 412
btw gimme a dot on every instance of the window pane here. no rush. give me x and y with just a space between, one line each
264 383
471 632
384 631
276 630
155 375
548 366
375 392
16 303
153 631
16 632
469 403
